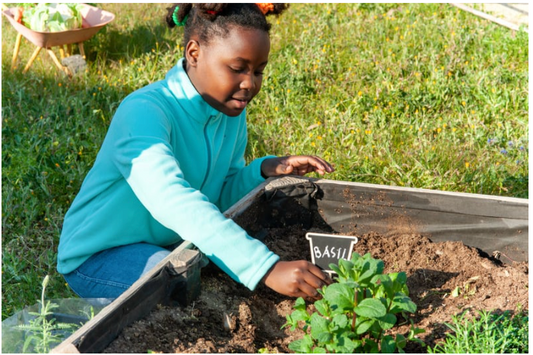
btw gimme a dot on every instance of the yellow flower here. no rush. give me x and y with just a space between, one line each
467 165
360 93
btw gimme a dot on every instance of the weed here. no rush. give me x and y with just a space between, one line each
43 329
489 333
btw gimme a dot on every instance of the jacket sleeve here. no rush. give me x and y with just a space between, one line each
144 157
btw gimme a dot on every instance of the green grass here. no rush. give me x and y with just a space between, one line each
419 95
489 333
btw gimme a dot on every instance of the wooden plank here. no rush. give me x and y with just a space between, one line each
494 19
442 201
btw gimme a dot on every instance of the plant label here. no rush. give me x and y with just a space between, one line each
330 248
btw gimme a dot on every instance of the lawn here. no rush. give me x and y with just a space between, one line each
417 95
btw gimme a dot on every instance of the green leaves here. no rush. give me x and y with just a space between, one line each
53 17
340 297
320 329
370 308
354 312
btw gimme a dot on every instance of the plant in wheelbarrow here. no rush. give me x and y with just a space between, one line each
357 313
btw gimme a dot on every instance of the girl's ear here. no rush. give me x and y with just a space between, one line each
192 51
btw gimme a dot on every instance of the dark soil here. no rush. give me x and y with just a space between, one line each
228 318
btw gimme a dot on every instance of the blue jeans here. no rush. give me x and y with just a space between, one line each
109 273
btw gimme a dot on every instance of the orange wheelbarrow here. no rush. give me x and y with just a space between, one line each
93 20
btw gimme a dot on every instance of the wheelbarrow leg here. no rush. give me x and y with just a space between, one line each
56 61
82 51
30 62
16 50
62 52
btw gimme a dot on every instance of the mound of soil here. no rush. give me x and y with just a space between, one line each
228 318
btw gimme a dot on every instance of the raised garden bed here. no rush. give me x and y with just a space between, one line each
461 252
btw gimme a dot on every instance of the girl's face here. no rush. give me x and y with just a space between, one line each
228 72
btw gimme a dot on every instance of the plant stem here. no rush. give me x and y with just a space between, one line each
354 317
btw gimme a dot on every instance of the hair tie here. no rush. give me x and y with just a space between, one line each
265 8
211 12
175 17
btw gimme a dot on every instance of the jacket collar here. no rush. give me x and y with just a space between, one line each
181 86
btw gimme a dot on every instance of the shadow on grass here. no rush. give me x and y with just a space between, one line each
113 45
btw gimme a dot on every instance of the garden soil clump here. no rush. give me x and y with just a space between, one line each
444 279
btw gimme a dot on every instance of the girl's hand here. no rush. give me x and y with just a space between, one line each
296 279
295 164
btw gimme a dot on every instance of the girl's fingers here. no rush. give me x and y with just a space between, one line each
309 291
307 163
326 166
321 275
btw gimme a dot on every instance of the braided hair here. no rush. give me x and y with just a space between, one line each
208 21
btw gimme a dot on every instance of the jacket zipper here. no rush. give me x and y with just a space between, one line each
208 145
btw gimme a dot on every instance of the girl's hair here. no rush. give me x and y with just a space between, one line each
208 21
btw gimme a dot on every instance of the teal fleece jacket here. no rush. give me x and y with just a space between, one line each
167 167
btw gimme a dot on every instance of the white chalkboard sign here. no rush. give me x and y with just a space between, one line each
330 248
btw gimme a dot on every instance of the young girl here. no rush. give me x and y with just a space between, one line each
173 159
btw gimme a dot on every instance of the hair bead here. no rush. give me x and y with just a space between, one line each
175 17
